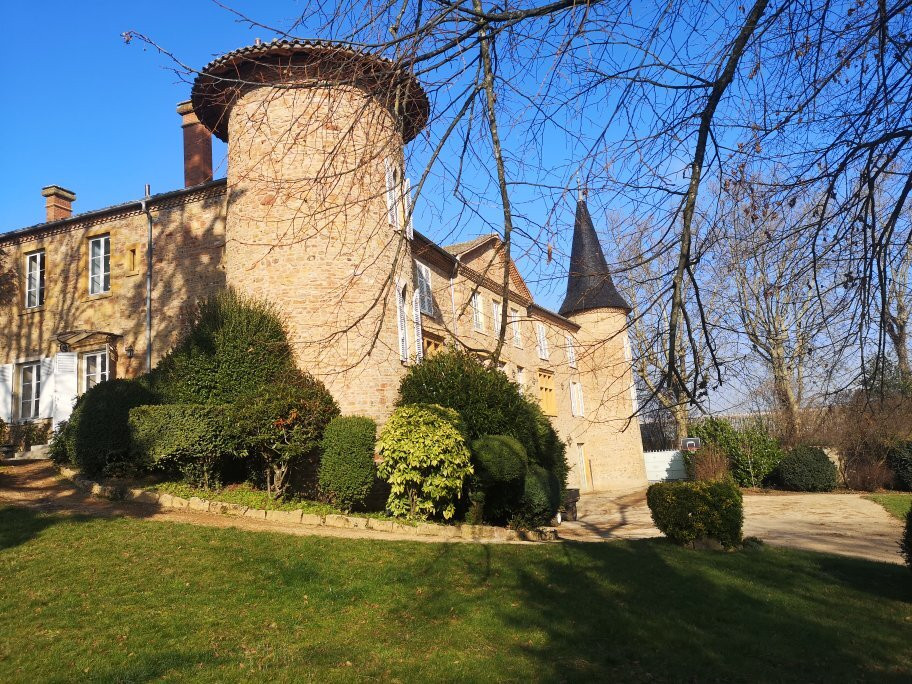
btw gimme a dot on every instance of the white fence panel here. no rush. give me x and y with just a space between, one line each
664 465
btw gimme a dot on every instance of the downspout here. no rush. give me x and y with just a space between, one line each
145 209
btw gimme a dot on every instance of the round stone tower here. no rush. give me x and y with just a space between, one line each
315 135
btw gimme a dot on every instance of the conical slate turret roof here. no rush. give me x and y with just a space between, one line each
589 285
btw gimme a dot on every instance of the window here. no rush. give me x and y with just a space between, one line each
477 313
571 352
502 367
627 355
546 393
392 194
424 288
517 330
495 315
521 379
576 399
29 390
95 369
542 340
34 279
100 265
402 323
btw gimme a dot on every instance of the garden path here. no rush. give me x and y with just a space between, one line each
845 524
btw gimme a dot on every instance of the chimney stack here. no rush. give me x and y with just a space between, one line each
59 202
197 147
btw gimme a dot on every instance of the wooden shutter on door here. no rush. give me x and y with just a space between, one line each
66 385
6 392
419 335
46 398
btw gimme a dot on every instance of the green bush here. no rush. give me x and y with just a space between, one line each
98 433
753 454
906 543
57 446
233 347
425 460
900 460
3 432
347 468
281 428
540 500
192 440
688 511
500 464
807 469
488 402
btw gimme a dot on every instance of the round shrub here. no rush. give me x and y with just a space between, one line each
98 432
688 511
807 469
425 460
906 543
281 428
500 472
233 347
540 500
347 469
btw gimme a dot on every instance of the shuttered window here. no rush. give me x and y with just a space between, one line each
34 279
546 392
495 315
416 321
477 312
392 194
424 288
517 330
29 390
571 352
576 399
402 323
542 338
521 379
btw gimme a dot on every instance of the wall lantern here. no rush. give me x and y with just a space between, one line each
130 351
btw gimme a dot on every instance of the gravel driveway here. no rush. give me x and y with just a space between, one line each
845 524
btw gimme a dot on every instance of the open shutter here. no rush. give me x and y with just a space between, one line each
407 197
65 385
392 202
419 335
402 324
46 398
6 392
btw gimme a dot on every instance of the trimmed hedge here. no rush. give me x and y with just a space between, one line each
233 347
347 468
500 465
906 543
425 459
807 469
688 511
97 435
191 440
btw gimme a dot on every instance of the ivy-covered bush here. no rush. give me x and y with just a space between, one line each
500 464
753 454
709 462
900 461
347 468
97 435
281 427
231 348
906 544
489 403
425 459
190 440
807 469
688 511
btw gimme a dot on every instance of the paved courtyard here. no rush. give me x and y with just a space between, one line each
846 524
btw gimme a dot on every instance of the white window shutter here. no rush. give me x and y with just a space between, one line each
46 398
571 352
419 336
6 392
579 399
66 385
401 322
392 204
407 196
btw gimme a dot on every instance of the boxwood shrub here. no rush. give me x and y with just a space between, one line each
425 459
687 511
500 465
189 440
347 468
807 469
97 435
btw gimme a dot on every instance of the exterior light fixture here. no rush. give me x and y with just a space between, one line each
130 351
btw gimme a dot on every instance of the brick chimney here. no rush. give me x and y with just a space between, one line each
197 147
59 202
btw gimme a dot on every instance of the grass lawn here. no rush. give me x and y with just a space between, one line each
897 503
128 600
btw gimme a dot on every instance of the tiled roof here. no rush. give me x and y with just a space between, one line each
220 82
468 245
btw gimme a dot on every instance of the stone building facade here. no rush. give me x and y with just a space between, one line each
315 216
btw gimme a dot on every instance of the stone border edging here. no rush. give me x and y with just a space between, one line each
299 517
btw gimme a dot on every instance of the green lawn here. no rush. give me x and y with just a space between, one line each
128 600
897 503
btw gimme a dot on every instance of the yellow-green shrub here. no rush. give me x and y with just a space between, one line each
687 511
